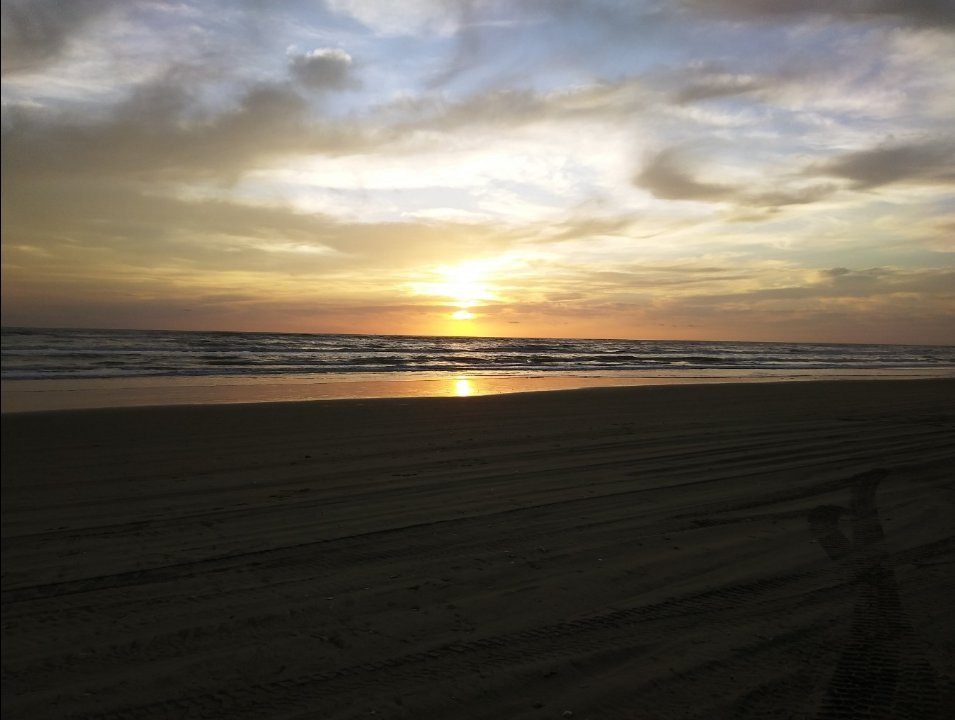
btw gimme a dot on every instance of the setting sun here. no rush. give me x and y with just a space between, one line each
465 284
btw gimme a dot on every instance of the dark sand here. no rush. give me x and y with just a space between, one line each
724 551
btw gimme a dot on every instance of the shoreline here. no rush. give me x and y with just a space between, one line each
63 394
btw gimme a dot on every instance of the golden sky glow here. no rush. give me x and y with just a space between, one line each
466 286
711 170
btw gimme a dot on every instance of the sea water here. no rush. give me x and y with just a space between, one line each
41 354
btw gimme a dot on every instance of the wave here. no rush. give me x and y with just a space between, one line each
30 353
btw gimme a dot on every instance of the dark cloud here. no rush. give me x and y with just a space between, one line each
642 278
150 302
324 69
36 33
847 283
781 198
667 177
840 305
708 86
836 272
928 162
588 226
916 12
161 133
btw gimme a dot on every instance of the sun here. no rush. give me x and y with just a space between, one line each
465 286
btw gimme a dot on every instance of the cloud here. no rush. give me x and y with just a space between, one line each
667 176
915 12
804 195
710 84
161 132
426 17
836 272
837 305
927 162
505 108
36 33
181 147
83 228
841 282
531 34
324 69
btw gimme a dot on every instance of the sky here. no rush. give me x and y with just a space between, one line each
693 169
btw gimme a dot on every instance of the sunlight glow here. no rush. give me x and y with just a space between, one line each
462 387
465 284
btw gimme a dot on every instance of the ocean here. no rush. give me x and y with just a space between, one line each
52 354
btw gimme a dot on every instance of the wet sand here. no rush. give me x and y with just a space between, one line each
88 393
778 550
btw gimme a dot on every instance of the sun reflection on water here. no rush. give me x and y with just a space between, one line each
462 387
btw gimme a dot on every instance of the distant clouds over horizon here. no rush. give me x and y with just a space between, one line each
718 169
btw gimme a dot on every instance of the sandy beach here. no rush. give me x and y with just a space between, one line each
779 550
